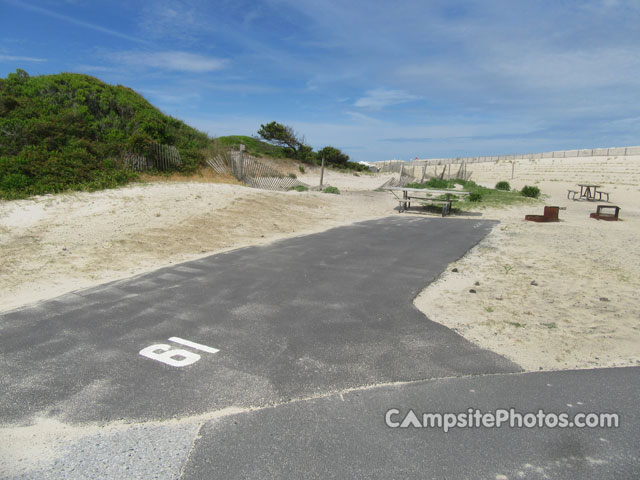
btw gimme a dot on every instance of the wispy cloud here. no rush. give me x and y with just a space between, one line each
379 98
171 60
12 58
74 21
176 19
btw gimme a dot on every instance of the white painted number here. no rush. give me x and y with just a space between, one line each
176 357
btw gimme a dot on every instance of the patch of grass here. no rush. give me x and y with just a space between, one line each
299 188
497 198
333 190
507 268
549 325
489 309
438 183
517 324
479 197
293 175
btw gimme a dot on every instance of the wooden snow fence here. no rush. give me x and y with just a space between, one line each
161 157
403 180
252 172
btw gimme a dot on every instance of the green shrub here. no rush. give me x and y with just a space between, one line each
301 168
292 175
331 190
475 197
503 186
299 188
531 192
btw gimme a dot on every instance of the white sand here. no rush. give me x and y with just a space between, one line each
584 311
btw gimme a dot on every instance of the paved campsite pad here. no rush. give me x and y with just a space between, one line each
345 436
297 318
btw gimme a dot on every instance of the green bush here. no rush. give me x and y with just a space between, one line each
301 168
503 186
531 192
438 183
292 175
299 188
331 190
475 197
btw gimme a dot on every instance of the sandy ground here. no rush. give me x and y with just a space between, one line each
557 295
548 296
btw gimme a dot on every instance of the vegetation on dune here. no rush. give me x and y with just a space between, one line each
69 132
74 132
479 196
254 146
294 146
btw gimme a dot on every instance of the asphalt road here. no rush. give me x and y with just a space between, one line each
269 327
345 436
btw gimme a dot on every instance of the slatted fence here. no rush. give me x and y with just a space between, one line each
161 157
251 171
396 165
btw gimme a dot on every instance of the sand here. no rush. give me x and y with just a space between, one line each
557 295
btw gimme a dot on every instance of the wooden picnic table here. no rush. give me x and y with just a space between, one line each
409 194
588 191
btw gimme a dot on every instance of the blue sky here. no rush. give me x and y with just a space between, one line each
379 80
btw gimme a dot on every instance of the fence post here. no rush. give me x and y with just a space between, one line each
322 172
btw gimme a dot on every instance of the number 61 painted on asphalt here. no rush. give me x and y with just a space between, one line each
176 357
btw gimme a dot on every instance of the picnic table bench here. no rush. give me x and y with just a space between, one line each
424 195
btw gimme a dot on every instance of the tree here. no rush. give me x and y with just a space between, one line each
284 136
333 155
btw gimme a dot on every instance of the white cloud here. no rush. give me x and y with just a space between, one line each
12 58
379 98
171 60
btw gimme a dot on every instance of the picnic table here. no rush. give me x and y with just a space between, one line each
426 195
587 192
